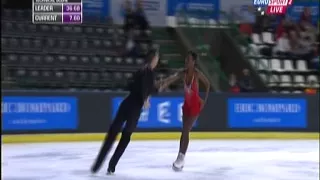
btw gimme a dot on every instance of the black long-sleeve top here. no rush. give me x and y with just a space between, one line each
142 84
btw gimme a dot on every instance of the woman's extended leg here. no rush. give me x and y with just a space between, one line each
187 124
186 128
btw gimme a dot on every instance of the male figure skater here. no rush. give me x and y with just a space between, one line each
142 86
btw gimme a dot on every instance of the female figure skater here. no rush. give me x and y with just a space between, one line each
142 86
193 104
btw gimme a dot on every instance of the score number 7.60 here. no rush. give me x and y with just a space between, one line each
75 18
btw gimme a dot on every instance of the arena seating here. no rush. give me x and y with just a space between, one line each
281 74
88 56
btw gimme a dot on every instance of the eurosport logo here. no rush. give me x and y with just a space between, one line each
273 6
272 2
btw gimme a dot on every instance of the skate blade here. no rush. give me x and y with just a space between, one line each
110 173
177 169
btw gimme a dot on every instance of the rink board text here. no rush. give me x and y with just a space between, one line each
33 113
92 112
164 112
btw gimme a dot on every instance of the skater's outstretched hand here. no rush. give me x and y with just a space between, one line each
171 79
146 104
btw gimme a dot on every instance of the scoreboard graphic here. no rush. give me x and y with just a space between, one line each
57 11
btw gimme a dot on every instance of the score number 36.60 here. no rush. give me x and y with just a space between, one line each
73 8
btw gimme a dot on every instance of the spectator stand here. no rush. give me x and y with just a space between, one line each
284 74
86 56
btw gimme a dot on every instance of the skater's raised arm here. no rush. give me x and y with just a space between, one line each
143 82
148 82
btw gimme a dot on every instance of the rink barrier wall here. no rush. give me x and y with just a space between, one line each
83 137
94 115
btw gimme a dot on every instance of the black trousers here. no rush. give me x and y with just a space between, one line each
129 113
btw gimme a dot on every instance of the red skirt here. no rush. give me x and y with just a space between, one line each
192 106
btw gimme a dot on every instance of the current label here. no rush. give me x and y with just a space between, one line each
57 11
47 18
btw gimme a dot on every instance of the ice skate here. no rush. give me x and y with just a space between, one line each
179 163
110 171
94 169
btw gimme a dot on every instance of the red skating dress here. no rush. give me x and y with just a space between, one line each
192 104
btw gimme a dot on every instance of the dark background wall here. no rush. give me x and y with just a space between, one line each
15 4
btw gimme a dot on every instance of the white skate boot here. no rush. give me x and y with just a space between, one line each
179 163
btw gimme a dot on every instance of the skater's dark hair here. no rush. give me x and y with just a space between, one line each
193 54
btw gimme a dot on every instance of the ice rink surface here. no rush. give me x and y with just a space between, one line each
152 160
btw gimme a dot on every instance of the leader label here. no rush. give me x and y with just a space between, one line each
47 8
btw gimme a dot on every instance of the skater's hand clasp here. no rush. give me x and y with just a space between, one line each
162 85
147 104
